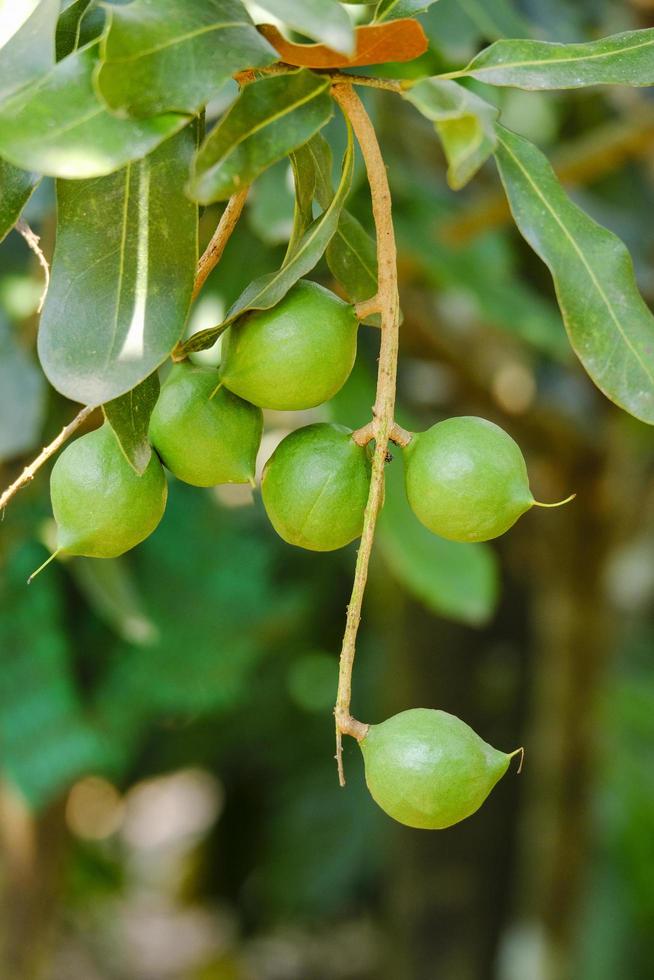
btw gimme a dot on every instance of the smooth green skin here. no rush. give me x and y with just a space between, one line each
205 440
466 479
315 487
296 355
102 508
428 769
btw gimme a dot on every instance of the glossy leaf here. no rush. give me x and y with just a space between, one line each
16 187
129 417
304 181
609 325
22 398
122 275
351 254
323 20
162 55
352 259
401 40
464 122
30 53
270 118
621 59
394 9
57 126
81 22
268 290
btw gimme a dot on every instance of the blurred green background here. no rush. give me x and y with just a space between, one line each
169 808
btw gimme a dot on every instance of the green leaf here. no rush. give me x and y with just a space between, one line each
456 580
30 53
464 122
270 289
16 188
78 24
269 119
22 398
352 259
395 9
304 179
161 55
57 126
352 253
622 59
609 325
323 20
122 275
129 417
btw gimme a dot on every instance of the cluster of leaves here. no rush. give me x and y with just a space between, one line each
110 100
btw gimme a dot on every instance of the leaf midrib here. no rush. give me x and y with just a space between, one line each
317 227
555 61
268 121
582 257
180 39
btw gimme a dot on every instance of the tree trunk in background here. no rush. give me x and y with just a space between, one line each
573 627
531 677
447 892
31 852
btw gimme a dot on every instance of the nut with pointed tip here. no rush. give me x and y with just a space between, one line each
428 769
101 505
205 436
466 479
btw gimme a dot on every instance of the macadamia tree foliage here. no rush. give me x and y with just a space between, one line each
124 105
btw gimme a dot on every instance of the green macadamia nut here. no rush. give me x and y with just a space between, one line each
203 435
294 356
428 769
101 505
315 487
466 479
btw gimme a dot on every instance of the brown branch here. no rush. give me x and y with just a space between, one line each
33 241
368 81
29 472
367 307
214 250
382 424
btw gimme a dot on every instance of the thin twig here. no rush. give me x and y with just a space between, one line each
214 250
30 471
367 307
383 411
210 258
368 81
33 241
